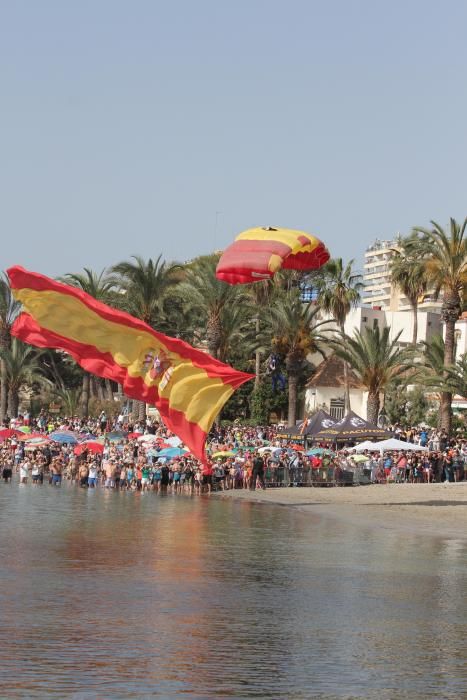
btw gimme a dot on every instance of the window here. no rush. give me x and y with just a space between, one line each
364 319
336 408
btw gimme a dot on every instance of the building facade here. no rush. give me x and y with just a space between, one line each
378 289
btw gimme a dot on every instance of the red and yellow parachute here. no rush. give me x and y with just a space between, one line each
259 253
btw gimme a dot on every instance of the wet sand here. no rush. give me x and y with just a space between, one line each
438 510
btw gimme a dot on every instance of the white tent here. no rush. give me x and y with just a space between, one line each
393 444
367 445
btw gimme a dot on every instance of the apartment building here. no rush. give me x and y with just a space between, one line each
378 289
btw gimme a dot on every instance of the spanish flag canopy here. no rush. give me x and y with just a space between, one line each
258 253
187 386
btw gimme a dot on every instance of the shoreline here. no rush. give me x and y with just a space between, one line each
435 510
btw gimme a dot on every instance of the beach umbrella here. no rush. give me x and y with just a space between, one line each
173 441
31 436
359 458
152 453
37 439
116 435
148 438
64 437
24 429
90 446
9 433
87 436
33 445
223 453
171 452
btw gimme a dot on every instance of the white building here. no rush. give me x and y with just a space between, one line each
429 323
379 290
461 336
325 389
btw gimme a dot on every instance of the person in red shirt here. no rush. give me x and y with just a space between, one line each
207 472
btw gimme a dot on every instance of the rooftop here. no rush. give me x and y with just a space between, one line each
330 373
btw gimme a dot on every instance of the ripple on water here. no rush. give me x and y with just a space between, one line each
129 595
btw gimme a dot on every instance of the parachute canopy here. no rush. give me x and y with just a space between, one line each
259 253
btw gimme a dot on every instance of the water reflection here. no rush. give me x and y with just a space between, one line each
131 595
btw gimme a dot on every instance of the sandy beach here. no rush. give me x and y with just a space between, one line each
438 510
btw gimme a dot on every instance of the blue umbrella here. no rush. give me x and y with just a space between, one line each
87 436
172 452
64 438
152 453
319 451
116 435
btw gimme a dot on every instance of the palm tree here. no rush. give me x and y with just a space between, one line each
409 274
433 372
69 398
444 255
338 292
376 361
101 286
145 285
209 297
9 309
22 367
259 294
294 327
456 378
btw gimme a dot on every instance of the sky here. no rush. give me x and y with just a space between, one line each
150 127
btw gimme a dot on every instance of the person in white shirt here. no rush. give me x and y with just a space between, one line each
24 472
92 477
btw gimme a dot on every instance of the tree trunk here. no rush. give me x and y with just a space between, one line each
213 335
257 358
346 380
13 403
100 389
108 390
450 312
5 341
372 408
141 412
3 391
85 394
415 323
292 414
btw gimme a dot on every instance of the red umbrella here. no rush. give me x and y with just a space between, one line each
94 447
298 448
133 436
9 433
31 436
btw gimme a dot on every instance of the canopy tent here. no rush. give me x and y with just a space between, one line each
362 446
393 444
311 425
351 427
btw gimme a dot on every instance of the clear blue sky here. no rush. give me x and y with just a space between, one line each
125 126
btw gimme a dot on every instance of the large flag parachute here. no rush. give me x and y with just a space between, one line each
188 386
259 253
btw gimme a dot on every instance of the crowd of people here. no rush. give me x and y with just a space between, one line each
127 458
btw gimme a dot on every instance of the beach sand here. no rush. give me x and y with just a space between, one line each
438 510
